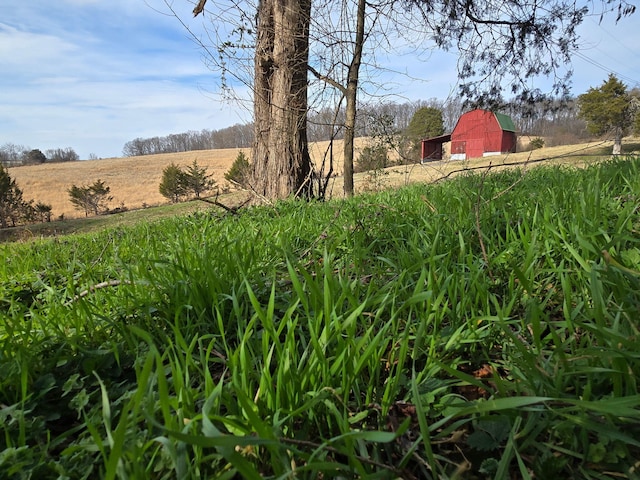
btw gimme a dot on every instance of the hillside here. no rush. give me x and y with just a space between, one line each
134 180
482 327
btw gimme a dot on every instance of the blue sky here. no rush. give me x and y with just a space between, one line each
92 75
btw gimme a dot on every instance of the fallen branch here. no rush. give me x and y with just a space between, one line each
98 286
231 210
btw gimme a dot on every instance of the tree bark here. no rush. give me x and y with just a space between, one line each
281 160
617 142
351 97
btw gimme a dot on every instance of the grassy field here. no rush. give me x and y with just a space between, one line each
134 181
483 327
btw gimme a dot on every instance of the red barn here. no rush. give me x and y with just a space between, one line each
478 133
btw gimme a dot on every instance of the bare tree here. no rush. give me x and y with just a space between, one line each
502 45
349 89
11 154
61 155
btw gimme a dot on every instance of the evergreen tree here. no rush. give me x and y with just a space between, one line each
240 171
12 206
173 183
196 180
92 198
608 109
34 156
426 122
42 212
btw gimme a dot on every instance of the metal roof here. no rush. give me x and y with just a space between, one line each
438 139
505 122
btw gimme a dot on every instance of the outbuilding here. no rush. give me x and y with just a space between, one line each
432 148
478 133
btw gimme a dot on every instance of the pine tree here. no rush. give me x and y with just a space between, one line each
608 109
172 185
12 206
90 199
196 180
240 171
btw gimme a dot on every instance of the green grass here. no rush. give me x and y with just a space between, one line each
485 327
97 223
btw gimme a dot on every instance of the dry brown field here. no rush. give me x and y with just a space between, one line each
134 181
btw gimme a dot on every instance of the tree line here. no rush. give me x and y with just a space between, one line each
609 108
557 120
235 136
12 155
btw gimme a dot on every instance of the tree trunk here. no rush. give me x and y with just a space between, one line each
351 97
617 142
281 161
349 137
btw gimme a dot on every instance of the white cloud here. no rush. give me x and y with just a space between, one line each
23 51
95 83
93 75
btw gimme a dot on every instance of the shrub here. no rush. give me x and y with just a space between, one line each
372 158
240 170
536 143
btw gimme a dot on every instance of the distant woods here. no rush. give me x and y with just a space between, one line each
236 136
558 122
12 155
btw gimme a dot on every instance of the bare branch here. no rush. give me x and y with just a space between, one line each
199 8
328 80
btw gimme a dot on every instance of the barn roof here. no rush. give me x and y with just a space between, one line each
438 139
505 122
